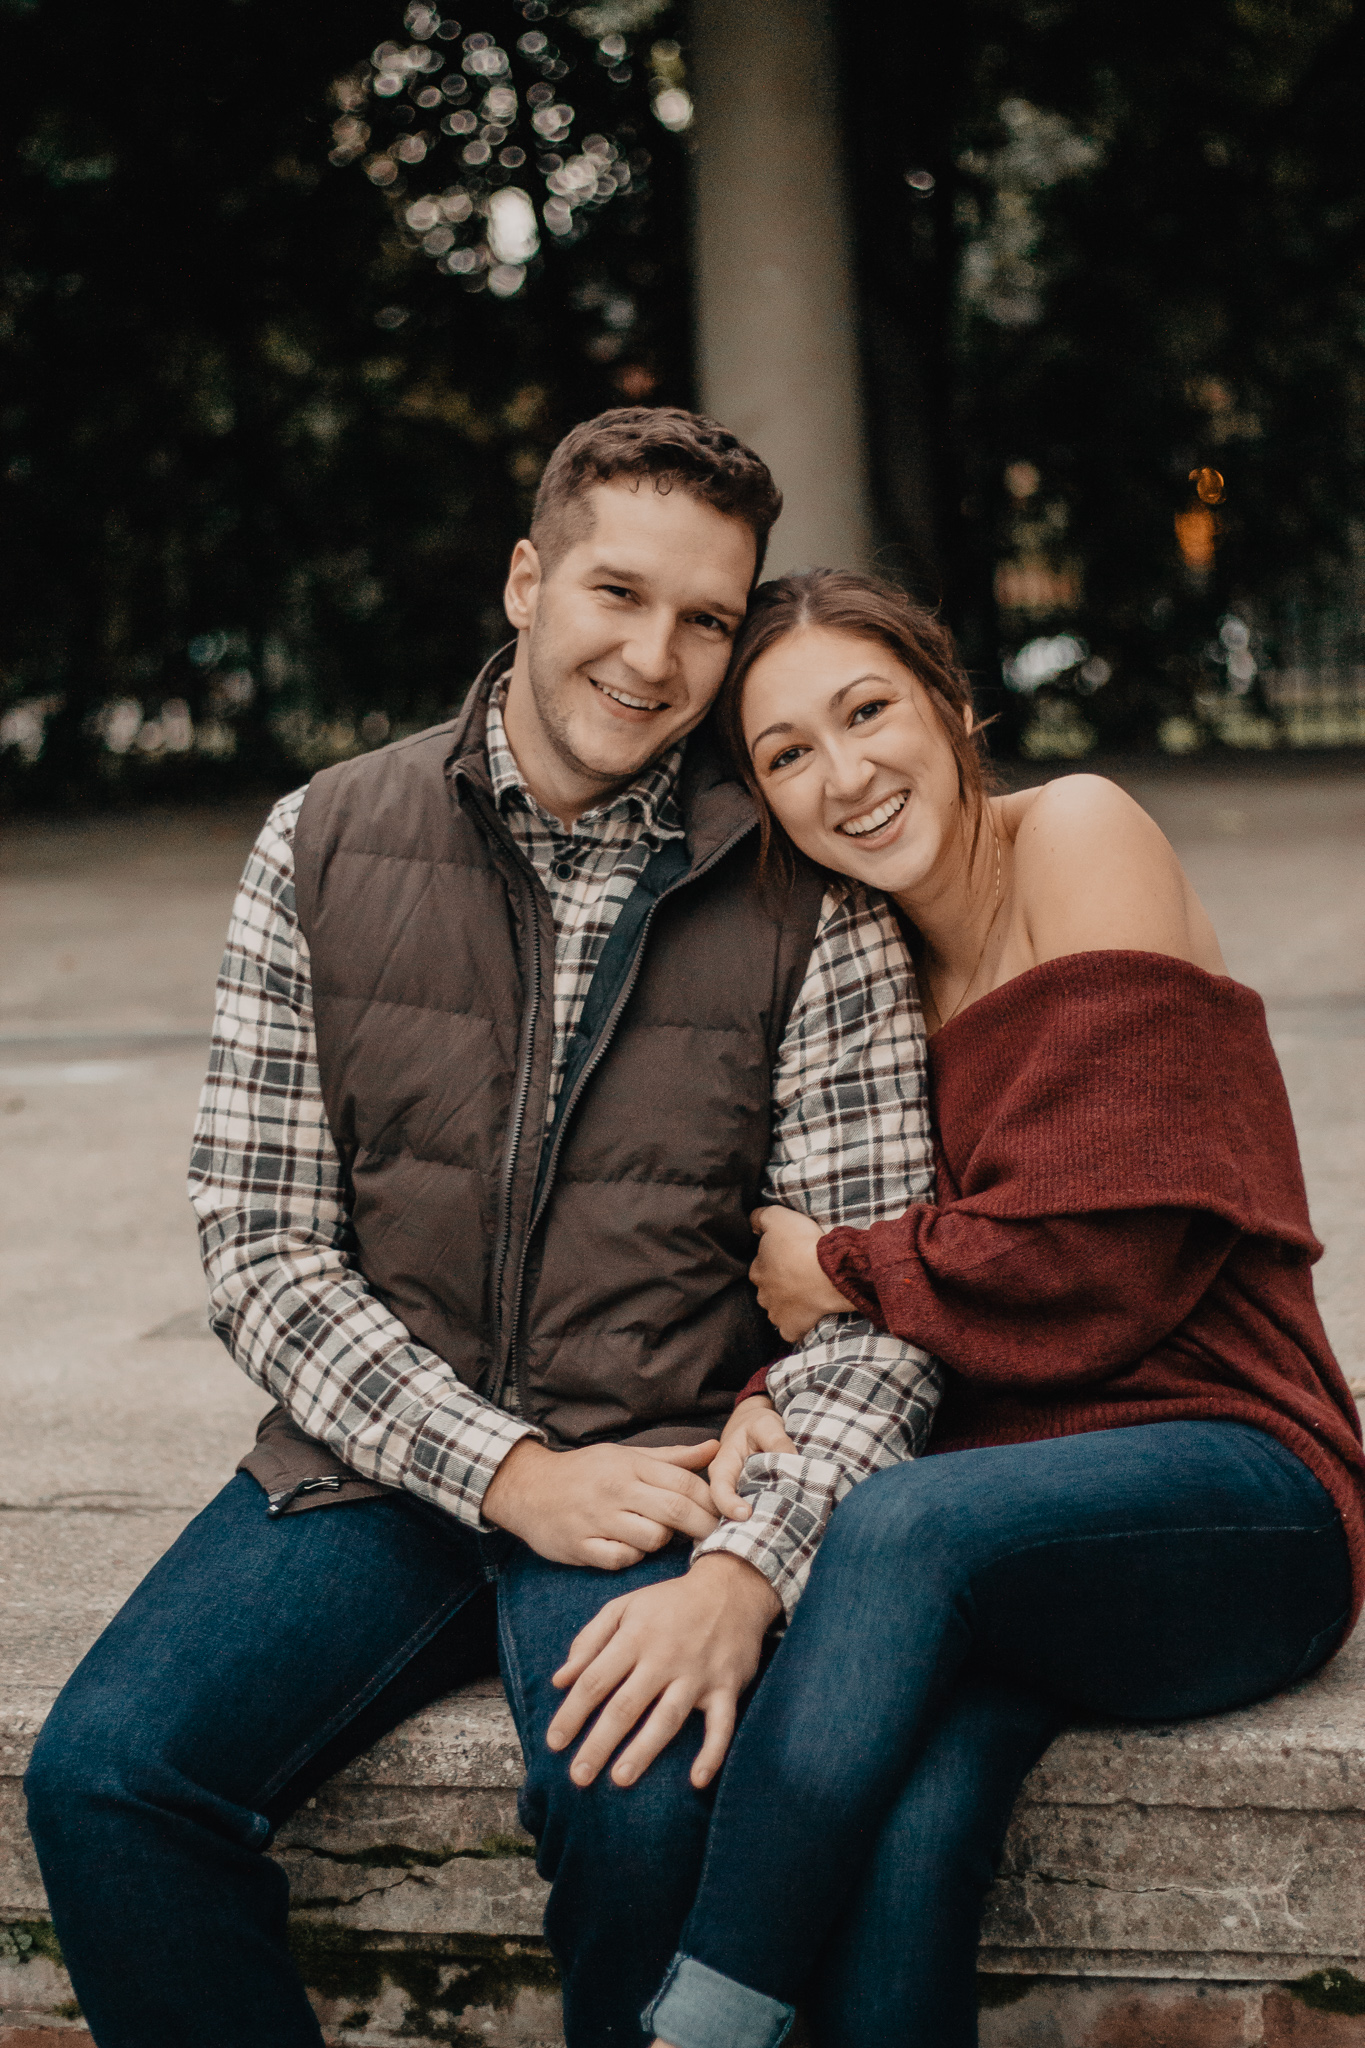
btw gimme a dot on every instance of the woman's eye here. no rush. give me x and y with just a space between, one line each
784 759
865 712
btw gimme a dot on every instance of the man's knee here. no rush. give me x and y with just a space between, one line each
86 1755
621 1837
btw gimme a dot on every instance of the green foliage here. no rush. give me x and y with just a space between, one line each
1161 219
264 461
279 384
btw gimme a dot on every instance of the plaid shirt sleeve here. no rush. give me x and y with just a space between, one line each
851 1144
285 1293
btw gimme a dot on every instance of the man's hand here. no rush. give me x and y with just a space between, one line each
754 1426
791 1282
685 1643
608 1505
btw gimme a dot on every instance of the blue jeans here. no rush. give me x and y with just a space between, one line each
254 1661
959 1608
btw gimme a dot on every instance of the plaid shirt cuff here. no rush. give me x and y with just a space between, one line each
454 1457
791 1500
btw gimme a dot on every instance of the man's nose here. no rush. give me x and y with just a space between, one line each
649 649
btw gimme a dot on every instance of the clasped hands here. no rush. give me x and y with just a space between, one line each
650 1658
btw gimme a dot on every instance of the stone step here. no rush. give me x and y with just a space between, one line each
1224 1856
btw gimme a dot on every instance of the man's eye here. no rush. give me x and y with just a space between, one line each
865 712
616 590
709 622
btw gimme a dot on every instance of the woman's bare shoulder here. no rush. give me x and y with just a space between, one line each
1092 870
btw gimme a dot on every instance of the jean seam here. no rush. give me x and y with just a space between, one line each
362 1698
647 2016
1310 1662
510 1665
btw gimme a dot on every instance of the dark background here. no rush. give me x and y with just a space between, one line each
264 460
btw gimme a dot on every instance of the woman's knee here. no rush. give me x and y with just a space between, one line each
906 1506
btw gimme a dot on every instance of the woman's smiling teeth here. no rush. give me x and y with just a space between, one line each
621 697
873 821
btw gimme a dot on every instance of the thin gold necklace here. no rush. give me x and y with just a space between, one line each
995 912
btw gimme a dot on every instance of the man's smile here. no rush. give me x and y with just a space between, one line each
620 696
868 823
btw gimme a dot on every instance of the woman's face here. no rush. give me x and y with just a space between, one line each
851 757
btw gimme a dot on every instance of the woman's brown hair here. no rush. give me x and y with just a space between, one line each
843 601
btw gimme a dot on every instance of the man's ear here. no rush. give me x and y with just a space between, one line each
522 591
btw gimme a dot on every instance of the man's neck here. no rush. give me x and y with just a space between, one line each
561 790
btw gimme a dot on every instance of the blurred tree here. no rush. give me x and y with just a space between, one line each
265 456
1157 383
288 329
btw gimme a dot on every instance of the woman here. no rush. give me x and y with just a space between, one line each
1149 1495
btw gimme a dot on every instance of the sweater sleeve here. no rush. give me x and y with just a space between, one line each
1035 1303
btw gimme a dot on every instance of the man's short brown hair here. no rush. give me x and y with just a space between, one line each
670 447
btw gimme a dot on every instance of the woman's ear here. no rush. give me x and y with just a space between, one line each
969 718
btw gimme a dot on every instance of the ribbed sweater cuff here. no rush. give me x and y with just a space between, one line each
845 1258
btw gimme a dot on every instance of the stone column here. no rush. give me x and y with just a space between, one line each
776 344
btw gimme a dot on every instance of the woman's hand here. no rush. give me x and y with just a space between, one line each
754 1426
655 1657
791 1284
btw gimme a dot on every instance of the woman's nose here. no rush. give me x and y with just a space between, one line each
847 772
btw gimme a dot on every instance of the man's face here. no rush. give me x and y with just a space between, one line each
624 643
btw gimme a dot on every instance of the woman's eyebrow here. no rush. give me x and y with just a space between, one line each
768 729
839 695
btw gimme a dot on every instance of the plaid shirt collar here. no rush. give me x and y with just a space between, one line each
648 809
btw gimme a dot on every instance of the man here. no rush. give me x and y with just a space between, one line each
510 1039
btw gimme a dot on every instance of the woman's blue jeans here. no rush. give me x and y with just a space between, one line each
959 1609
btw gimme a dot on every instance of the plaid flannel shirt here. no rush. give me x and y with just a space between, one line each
287 1295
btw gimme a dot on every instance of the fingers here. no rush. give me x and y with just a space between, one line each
607 1670
669 1479
626 1706
670 1713
769 1435
758 1218
688 1517
726 1468
592 1637
696 1457
679 1498
720 1726
605 1556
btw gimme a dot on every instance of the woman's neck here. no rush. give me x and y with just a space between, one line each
957 913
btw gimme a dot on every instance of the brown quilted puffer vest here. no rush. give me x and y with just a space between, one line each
596 1283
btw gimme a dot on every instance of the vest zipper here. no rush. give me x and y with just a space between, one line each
509 1171
510 1355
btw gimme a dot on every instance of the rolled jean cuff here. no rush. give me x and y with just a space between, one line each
698 2008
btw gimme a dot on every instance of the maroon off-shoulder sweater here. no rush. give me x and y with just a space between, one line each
1121 1234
